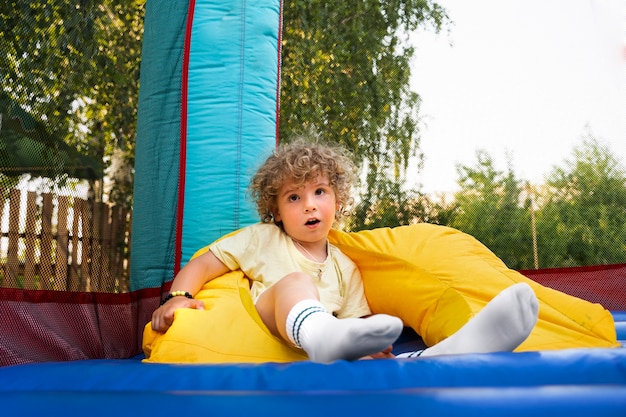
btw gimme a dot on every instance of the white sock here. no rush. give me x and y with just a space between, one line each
501 326
413 354
326 338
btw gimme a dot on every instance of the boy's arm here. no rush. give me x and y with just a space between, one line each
198 272
190 279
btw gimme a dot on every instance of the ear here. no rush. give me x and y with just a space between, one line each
276 216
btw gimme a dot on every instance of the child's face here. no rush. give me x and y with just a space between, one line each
307 212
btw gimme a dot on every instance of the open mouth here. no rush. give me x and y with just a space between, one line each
312 222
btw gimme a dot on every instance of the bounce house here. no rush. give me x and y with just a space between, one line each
208 111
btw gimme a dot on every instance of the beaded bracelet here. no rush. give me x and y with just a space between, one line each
176 294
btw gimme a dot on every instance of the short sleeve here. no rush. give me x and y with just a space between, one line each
355 302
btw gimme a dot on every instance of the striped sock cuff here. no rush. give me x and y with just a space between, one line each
414 354
298 314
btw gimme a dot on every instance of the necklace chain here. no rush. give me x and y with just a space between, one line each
307 252
320 271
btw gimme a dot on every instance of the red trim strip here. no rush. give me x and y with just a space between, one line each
280 40
183 141
71 297
571 269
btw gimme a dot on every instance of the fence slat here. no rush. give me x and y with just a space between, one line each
13 263
86 247
92 216
3 270
3 267
113 242
106 250
46 279
30 233
62 251
77 245
127 218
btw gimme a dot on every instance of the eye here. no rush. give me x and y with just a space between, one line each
320 191
292 197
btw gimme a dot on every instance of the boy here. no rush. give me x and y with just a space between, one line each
307 291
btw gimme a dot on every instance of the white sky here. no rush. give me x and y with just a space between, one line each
529 78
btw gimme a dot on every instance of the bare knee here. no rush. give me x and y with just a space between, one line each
298 281
294 287
276 302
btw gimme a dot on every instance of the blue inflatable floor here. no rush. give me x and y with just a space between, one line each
573 382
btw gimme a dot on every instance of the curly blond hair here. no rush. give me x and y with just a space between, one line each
302 161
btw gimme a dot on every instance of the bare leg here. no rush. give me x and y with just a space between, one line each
291 309
504 323
277 301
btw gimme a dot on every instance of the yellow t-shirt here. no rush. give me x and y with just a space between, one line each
266 254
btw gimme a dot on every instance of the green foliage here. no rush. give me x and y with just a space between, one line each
390 207
74 65
583 218
580 213
345 74
490 208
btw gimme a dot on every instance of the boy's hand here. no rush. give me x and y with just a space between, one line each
163 316
385 354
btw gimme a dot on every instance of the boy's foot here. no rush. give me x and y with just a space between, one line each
326 339
502 325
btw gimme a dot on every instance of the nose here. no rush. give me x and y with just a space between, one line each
309 205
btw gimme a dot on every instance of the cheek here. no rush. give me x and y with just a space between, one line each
331 206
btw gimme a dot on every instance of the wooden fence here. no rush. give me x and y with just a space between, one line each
63 243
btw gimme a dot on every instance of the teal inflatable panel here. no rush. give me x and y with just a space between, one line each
157 144
231 118
207 117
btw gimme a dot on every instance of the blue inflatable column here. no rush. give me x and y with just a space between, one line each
208 108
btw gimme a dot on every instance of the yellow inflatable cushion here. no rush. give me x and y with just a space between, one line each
436 278
433 277
228 330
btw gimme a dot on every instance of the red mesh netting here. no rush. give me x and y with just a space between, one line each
605 284
38 326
